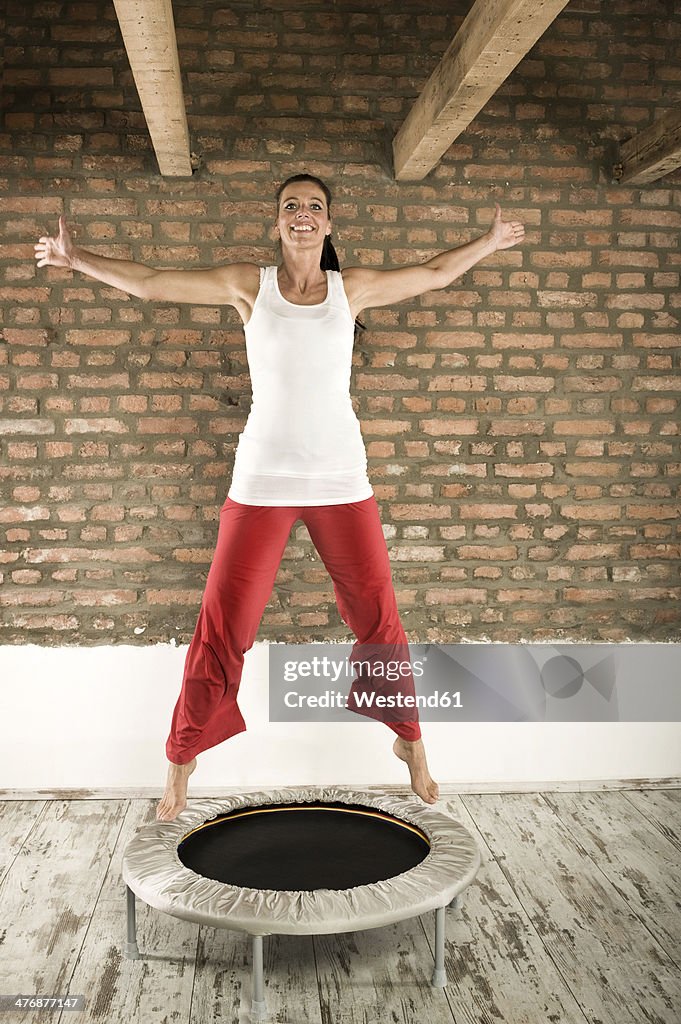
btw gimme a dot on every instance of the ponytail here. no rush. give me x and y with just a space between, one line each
329 261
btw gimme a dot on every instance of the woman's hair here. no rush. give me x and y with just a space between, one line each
329 259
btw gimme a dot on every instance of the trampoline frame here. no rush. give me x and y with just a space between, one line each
153 871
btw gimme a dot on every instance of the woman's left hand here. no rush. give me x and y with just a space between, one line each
505 233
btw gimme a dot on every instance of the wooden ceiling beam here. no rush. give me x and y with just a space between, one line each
652 153
148 32
491 42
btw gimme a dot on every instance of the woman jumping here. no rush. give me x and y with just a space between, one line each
301 454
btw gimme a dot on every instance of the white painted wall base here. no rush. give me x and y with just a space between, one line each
98 718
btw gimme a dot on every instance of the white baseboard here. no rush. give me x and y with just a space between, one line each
446 791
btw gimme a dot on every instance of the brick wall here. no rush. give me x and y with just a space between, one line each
522 425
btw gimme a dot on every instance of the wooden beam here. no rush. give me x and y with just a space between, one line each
491 42
149 35
652 153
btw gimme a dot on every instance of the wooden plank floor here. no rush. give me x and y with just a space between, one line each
575 917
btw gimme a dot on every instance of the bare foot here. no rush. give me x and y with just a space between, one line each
415 756
174 799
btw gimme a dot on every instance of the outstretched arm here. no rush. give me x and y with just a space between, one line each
367 287
215 286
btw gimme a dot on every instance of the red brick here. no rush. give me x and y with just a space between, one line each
522 595
486 512
503 553
462 595
420 511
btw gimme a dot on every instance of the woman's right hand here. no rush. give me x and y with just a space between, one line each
55 252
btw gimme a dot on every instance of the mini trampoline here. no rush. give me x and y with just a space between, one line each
311 861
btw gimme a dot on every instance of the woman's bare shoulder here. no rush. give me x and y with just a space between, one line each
354 280
241 280
240 283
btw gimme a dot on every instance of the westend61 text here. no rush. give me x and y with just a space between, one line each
293 699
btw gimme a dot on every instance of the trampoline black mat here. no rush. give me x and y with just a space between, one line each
303 846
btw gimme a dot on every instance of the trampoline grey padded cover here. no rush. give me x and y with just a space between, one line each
155 873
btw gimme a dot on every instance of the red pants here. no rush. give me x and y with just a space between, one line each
250 545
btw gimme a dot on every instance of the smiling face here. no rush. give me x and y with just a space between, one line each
303 220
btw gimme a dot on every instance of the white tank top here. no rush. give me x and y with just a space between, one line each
302 443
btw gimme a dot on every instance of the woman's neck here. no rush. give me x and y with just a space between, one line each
301 274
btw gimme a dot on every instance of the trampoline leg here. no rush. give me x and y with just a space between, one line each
130 949
439 979
258 984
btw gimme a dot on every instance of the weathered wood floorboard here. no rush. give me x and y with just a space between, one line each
134 990
49 893
380 976
498 967
575 917
604 952
633 854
